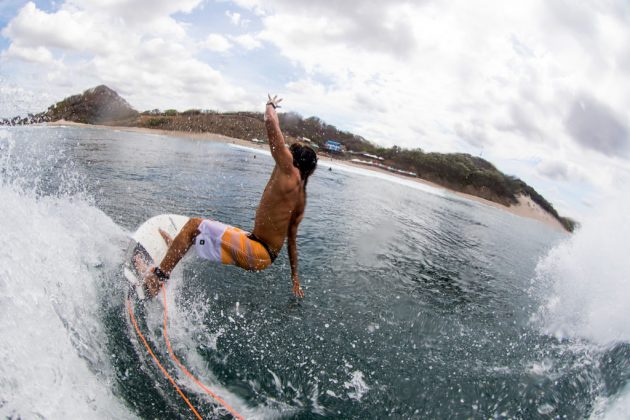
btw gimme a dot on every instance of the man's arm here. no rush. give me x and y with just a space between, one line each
293 255
279 151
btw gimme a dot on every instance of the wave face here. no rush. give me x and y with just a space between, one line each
57 252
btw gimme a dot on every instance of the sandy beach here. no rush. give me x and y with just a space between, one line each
525 207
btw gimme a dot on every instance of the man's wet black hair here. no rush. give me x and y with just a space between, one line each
305 159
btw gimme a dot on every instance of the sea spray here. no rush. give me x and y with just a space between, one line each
585 282
586 279
55 254
188 334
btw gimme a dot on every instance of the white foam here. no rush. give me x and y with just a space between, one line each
586 279
54 252
620 407
615 408
585 282
356 387
411 183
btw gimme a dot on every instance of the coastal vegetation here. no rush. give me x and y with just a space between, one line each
458 171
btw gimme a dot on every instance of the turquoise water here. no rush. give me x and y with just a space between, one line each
419 304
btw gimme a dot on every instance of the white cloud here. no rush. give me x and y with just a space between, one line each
595 126
370 25
37 55
217 42
134 11
559 170
146 55
247 41
234 17
474 133
64 30
221 44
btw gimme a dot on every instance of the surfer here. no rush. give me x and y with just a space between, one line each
279 213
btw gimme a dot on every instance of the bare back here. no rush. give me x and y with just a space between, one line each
281 205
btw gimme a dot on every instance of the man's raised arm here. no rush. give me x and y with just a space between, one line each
278 148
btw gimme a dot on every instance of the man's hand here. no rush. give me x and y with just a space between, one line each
297 289
274 102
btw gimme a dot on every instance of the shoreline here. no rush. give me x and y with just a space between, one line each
525 207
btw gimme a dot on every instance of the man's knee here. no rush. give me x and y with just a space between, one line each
191 227
193 222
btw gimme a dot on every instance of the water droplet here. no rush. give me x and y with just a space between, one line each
545 409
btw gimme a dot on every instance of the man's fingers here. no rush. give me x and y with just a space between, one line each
274 101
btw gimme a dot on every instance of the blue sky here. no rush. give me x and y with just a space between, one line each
8 9
539 88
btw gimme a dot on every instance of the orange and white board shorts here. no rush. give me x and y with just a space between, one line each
230 245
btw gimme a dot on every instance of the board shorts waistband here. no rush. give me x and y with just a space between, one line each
272 255
230 245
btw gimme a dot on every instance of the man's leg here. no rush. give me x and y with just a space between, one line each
180 245
176 251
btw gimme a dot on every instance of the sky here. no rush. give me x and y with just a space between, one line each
538 88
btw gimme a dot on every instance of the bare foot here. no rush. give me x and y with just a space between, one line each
152 284
167 238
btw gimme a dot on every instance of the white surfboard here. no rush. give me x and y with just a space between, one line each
148 242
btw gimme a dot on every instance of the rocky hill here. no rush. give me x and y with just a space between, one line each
99 105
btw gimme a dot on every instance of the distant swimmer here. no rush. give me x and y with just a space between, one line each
279 213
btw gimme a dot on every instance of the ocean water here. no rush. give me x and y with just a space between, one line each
419 304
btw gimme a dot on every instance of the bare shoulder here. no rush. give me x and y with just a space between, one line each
284 159
289 177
